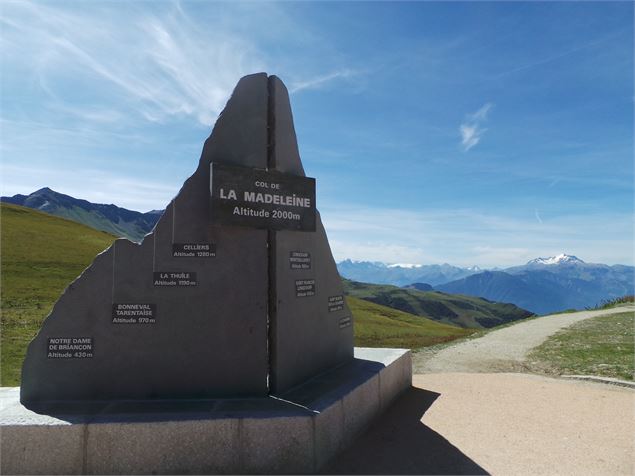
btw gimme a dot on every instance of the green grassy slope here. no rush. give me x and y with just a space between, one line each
41 254
455 309
94 220
381 326
602 346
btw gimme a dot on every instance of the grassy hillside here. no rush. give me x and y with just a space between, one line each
455 309
602 346
381 326
41 254
94 219
109 218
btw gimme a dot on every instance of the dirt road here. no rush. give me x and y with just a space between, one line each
500 424
502 350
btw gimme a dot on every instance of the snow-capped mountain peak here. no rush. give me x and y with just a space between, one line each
562 258
354 262
404 265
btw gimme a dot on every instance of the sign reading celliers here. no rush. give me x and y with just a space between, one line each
260 198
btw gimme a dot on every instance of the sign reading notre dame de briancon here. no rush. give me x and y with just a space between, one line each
262 199
234 293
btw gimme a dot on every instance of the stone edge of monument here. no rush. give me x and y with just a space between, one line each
228 327
234 437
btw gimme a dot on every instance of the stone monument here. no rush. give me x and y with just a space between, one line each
234 293
221 344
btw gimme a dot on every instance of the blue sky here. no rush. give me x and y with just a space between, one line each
469 133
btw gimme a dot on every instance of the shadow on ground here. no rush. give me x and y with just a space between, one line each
399 443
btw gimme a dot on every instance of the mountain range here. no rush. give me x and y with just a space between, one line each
42 254
546 285
402 274
109 218
543 285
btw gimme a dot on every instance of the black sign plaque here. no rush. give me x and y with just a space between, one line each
345 322
193 250
304 287
261 199
336 303
70 347
174 279
299 260
134 313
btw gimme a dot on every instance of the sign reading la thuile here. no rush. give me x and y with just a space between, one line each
262 198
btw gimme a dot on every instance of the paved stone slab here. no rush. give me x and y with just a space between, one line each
276 446
329 433
42 449
204 446
298 434
396 376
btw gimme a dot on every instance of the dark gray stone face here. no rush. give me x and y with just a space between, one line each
312 328
199 310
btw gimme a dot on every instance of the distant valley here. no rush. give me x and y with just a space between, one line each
543 285
457 310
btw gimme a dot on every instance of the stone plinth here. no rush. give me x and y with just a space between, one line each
296 432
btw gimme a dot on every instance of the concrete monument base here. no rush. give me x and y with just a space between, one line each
296 432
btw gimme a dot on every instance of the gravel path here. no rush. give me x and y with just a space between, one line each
499 424
466 415
503 350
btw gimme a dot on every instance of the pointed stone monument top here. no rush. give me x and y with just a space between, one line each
234 293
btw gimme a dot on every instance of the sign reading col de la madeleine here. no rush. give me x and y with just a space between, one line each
262 199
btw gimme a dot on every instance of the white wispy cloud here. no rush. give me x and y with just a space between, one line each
320 81
470 136
470 237
482 113
122 86
580 46
159 63
471 129
156 65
